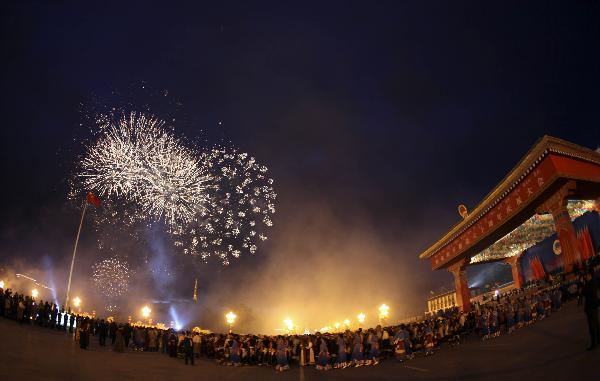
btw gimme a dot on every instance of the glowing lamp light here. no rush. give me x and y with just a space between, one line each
1 284
35 293
77 302
337 325
289 323
347 323
230 317
361 317
146 311
384 311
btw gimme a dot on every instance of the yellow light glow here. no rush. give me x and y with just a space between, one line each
347 323
361 317
77 302
35 293
146 311
384 311
289 323
337 325
230 317
1 284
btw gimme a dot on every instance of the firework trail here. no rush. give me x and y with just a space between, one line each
240 213
136 160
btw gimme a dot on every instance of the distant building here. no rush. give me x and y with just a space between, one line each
441 302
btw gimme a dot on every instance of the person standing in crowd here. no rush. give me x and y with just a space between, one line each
65 319
119 343
84 333
172 344
196 341
188 349
165 341
151 340
112 332
357 349
341 359
234 351
53 316
282 361
323 361
373 348
20 311
59 320
589 292
429 343
401 343
309 352
126 334
102 332
71 320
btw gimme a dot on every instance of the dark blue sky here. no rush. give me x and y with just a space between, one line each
388 115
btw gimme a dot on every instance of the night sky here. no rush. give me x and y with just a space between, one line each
373 118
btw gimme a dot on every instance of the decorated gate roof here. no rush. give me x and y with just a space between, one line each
548 165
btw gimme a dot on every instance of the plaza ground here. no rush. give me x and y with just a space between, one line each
552 349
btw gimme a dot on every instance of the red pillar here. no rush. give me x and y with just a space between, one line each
515 264
557 205
463 295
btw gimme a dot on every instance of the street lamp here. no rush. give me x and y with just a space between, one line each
77 302
2 284
347 323
146 312
289 323
384 311
230 319
361 318
35 293
337 326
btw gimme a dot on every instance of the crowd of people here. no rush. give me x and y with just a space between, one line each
503 314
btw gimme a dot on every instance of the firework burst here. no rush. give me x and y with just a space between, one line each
240 214
111 277
218 203
136 160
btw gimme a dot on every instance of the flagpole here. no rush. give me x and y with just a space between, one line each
195 290
74 252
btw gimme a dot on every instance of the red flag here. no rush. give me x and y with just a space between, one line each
537 268
587 246
590 243
585 251
534 269
92 199
540 267
582 248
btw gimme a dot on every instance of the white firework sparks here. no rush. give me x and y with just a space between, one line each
216 204
240 213
111 277
137 160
